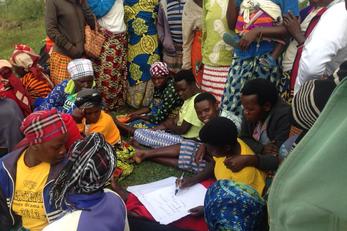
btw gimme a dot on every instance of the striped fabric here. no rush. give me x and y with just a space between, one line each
58 66
37 87
174 18
186 158
156 139
213 80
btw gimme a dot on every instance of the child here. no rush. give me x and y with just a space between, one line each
91 118
183 155
165 99
220 138
79 188
185 125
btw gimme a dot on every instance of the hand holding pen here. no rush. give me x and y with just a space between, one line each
179 183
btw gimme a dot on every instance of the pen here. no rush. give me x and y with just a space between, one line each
178 183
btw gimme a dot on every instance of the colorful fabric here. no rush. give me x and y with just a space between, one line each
186 158
111 70
143 51
215 52
90 166
73 133
240 72
156 139
58 67
213 80
159 69
174 61
24 56
174 11
232 206
42 126
37 87
100 8
187 113
164 102
79 68
249 175
105 126
59 99
30 181
284 84
196 57
140 95
125 153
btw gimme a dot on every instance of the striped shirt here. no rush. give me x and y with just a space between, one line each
174 18
37 87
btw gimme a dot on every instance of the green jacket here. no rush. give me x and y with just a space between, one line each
309 190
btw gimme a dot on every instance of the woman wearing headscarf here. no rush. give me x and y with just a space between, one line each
27 174
143 50
65 22
25 63
63 96
11 87
111 66
79 189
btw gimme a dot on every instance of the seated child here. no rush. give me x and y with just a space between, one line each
91 118
182 155
220 138
79 189
165 99
185 125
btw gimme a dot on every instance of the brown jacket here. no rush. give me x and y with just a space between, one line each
65 22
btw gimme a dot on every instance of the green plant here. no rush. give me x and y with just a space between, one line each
21 10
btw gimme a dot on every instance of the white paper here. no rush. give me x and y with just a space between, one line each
160 200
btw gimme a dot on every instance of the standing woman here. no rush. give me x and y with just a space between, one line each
143 51
111 67
65 21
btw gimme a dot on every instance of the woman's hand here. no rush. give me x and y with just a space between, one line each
248 38
197 211
77 115
292 24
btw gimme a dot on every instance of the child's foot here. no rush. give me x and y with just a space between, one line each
139 156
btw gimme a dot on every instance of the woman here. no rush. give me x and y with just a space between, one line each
11 87
143 49
255 55
63 96
111 66
25 63
80 189
216 54
191 34
31 169
65 22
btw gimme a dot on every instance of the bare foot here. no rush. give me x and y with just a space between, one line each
140 155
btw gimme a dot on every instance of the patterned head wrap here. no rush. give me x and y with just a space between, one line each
79 68
88 98
90 165
309 102
159 69
42 126
24 56
232 206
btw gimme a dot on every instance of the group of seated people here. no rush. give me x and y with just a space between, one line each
65 148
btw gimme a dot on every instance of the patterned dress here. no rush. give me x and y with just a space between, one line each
140 17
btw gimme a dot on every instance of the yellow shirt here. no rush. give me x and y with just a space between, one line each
249 175
28 194
105 126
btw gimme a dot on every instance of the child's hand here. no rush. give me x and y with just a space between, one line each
248 38
200 153
197 211
270 148
237 163
185 182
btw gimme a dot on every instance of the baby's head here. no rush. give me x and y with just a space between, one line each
90 102
220 136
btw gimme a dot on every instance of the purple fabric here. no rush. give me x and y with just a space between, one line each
108 214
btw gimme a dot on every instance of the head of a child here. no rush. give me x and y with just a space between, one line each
206 106
258 97
220 136
89 101
160 73
185 84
